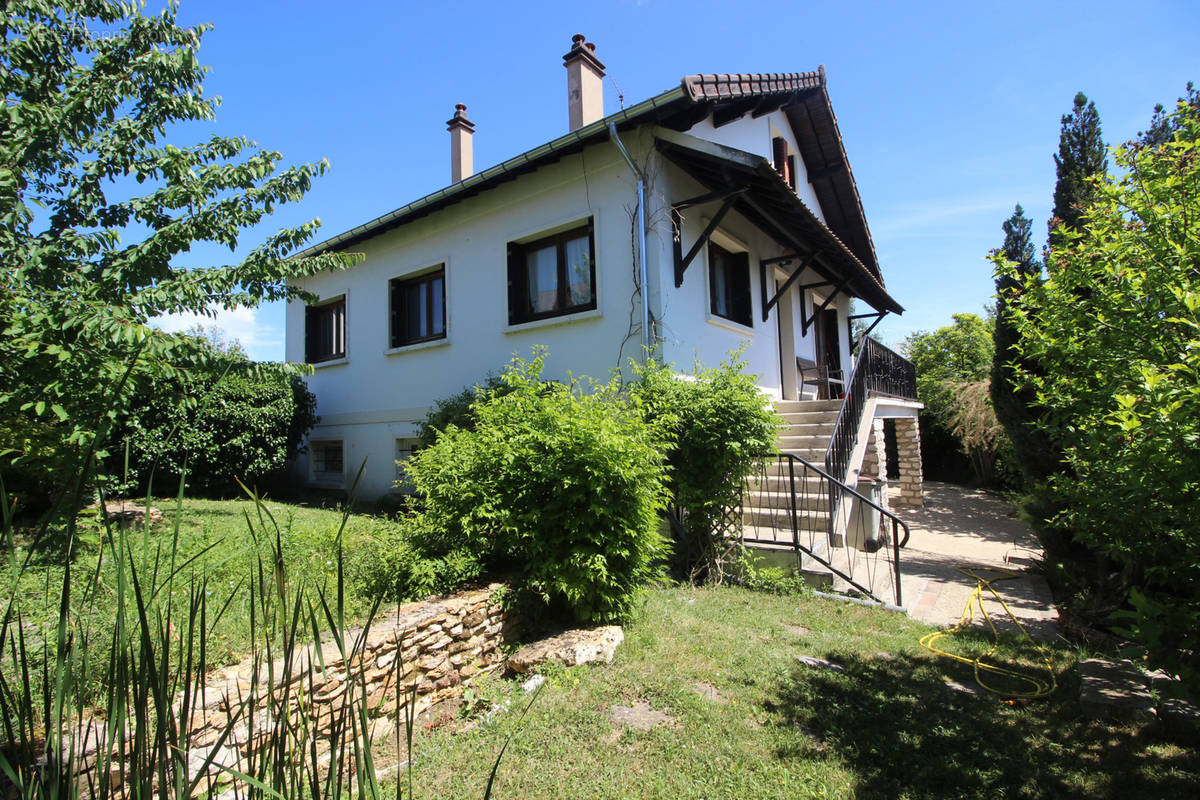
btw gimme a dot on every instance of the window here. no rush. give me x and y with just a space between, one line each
325 331
552 276
418 308
729 284
326 460
785 163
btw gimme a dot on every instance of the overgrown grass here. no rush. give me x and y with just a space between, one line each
213 542
749 720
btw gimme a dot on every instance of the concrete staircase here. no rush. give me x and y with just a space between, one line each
807 429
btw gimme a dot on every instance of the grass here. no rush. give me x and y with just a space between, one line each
748 720
215 549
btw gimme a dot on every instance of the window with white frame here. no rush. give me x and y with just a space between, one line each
325 331
552 276
404 451
418 308
729 285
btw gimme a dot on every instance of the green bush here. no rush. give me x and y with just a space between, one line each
456 410
1114 334
237 421
560 483
717 422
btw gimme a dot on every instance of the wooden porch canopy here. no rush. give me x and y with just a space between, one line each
747 183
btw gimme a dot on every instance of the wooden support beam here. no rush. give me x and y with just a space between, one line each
707 197
827 171
681 264
805 324
769 104
769 304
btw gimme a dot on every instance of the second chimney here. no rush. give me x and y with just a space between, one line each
462 154
585 83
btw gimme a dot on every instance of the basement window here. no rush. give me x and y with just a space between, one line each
326 461
418 311
325 331
729 285
552 276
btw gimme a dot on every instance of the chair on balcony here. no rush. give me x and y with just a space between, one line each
822 382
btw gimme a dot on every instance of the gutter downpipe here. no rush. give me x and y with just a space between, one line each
641 225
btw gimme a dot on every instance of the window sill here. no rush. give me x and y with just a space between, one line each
565 319
729 324
333 362
408 348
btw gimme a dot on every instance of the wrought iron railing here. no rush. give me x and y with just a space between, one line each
877 371
786 503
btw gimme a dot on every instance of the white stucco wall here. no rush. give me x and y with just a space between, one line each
377 395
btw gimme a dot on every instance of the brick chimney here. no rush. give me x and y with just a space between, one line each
585 83
462 154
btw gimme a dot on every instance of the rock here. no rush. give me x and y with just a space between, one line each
533 683
810 661
707 691
127 512
575 647
1114 689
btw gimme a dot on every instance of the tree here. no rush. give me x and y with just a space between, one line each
1081 156
953 364
1115 331
1013 409
1163 124
95 207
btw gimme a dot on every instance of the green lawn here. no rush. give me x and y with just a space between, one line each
748 720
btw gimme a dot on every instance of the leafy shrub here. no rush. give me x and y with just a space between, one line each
456 410
717 422
237 421
388 564
562 483
1114 332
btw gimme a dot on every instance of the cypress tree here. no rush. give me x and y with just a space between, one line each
1081 155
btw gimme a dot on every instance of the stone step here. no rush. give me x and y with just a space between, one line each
781 519
803 428
806 441
818 417
789 406
778 480
780 498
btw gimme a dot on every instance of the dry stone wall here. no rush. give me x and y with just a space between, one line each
432 647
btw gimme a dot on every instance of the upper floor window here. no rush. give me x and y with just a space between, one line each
552 276
785 162
729 285
418 308
325 331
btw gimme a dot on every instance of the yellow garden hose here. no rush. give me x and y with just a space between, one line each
1038 686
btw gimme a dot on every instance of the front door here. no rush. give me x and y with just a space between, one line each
829 354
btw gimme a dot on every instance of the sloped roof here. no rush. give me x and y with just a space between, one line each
801 95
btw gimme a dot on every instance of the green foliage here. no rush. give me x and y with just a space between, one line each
95 207
456 410
1164 124
952 365
562 483
1081 157
1115 331
1031 451
718 424
234 420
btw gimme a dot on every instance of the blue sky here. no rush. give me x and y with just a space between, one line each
950 111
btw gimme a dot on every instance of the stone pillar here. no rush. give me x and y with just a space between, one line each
908 446
875 459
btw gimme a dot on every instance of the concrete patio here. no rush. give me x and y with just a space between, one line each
960 527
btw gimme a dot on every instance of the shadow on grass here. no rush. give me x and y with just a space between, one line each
903 732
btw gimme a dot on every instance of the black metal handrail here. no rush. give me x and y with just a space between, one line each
878 370
797 509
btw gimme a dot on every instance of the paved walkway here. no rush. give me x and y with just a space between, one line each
961 527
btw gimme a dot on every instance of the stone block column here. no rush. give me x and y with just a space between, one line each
908 447
875 459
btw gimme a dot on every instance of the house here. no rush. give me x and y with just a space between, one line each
719 213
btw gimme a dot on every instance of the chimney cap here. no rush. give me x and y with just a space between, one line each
585 51
459 120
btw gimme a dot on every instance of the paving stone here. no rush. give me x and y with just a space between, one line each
1114 689
810 661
